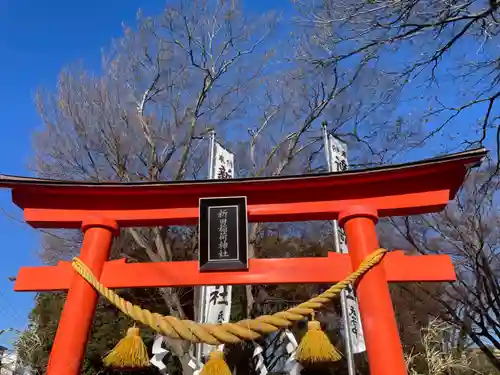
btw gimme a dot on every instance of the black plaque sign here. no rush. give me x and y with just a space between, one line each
223 234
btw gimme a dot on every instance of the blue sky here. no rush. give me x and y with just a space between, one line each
37 39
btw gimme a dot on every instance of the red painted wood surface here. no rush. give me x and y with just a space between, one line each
383 345
118 274
420 187
299 211
68 349
397 190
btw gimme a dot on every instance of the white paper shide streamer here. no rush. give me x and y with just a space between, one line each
292 366
258 357
288 342
195 365
159 353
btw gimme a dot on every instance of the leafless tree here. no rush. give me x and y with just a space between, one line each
467 230
201 66
164 87
442 57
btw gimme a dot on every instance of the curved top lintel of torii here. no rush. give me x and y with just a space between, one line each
404 189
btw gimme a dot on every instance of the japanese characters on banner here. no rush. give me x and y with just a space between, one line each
355 326
217 298
223 164
337 162
217 304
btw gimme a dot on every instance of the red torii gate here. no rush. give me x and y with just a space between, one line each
356 198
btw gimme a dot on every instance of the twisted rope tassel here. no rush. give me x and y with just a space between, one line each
226 333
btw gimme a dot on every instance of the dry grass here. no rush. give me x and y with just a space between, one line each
438 362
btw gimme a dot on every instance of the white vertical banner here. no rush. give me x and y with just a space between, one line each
351 302
337 162
223 163
216 299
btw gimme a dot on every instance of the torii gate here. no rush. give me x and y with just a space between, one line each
356 198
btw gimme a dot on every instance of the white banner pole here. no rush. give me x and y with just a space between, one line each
336 156
326 144
203 289
216 300
211 156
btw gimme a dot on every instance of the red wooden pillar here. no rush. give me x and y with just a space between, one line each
385 353
72 334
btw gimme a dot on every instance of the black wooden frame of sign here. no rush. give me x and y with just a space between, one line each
240 260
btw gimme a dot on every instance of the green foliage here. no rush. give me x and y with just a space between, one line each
35 344
109 327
